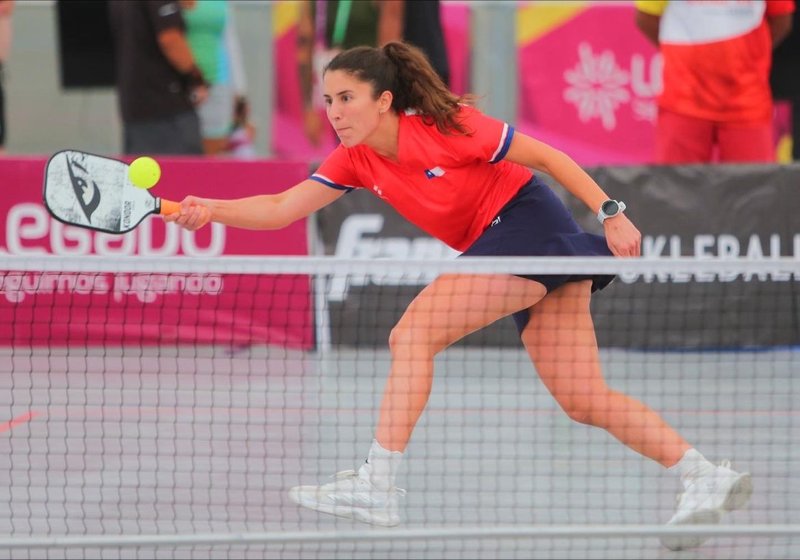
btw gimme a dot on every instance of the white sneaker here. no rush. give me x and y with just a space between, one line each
353 497
705 500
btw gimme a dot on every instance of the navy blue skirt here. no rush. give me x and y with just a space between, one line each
535 223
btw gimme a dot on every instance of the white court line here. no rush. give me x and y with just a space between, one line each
537 531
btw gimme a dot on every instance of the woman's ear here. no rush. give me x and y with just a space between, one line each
385 101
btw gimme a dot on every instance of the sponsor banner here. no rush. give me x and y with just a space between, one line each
154 308
288 137
694 211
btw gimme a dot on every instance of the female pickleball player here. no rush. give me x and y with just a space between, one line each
463 177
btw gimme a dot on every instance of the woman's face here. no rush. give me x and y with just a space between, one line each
352 110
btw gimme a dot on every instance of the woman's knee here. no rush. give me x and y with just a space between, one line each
578 411
591 409
406 339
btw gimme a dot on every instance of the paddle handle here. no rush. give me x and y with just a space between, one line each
168 206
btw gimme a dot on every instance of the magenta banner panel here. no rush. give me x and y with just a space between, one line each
588 81
153 307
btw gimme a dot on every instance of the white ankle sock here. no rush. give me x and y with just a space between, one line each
381 466
691 466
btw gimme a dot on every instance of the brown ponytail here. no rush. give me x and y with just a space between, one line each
404 70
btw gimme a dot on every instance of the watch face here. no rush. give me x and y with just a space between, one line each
610 207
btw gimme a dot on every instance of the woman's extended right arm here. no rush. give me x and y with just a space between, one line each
266 211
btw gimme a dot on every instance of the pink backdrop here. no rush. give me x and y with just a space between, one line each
588 86
149 309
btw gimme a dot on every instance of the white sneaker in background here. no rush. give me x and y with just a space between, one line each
705 500
353 497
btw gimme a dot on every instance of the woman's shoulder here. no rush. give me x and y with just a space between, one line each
467 113
415 118
462 110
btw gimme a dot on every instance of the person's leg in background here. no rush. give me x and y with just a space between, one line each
216 119
746 142
176 135
683 139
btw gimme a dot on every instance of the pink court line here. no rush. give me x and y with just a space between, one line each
168 413
19 420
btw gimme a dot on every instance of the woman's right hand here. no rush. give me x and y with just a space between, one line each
195 212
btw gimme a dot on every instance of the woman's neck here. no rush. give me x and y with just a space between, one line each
385 138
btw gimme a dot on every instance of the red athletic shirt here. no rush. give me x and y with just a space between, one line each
450 185
717 56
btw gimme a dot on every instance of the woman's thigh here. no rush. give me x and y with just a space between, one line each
561 341
455 305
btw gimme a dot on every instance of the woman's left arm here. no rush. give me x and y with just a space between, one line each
623 238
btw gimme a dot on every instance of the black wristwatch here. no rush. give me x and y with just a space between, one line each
609 209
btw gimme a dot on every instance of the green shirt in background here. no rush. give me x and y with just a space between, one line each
362 23
205 27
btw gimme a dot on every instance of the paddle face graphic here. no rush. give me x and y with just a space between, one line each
95 192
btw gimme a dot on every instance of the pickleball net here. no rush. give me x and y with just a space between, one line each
164 407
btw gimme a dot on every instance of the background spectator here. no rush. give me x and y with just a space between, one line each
344 24
157 79
716 95
324 29
422 26
212 36
6 7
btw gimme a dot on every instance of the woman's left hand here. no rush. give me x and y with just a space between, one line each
622 237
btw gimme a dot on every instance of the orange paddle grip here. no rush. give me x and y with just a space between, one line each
169 207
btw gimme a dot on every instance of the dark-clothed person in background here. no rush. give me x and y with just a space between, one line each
158 81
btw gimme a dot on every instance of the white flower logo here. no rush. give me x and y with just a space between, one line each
597 86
